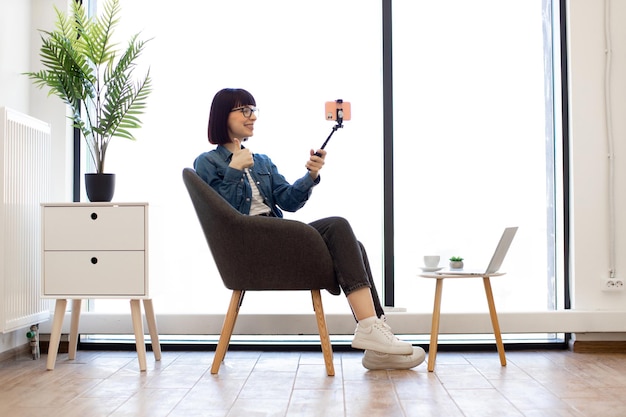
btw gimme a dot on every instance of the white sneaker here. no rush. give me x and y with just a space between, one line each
378 337
376 360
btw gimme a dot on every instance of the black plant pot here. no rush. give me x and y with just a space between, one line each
100 187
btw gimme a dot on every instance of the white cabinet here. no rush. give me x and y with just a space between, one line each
95 250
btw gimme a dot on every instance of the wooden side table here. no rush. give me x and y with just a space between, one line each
434 333
97 250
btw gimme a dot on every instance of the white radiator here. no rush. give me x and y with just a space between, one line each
25 161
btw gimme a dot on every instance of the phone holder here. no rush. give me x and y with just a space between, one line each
337 126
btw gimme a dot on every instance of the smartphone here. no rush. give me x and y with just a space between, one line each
338 107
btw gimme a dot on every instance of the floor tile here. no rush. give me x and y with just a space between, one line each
535 383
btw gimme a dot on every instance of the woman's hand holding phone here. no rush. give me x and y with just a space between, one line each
315 162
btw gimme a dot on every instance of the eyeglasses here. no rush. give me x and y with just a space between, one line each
247 111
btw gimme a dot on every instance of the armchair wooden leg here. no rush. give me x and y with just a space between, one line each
327 348
227 330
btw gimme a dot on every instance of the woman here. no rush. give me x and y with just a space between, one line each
252 184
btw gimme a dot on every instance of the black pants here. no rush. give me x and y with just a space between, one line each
352 268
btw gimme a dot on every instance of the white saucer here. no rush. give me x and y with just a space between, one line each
431 269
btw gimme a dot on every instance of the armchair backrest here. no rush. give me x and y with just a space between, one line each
260 253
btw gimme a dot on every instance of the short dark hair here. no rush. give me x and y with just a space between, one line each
224 101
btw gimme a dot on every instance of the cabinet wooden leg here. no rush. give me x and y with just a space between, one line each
135 310
55 332
152 328
73 343
434 330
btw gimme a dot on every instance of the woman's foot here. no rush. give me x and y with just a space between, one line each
375 360
379 338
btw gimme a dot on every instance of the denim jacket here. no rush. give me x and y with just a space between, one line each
232 184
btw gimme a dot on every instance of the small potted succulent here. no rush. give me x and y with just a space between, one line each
456 262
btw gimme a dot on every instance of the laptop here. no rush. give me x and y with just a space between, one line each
496 259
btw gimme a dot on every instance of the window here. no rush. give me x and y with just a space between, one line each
473 136
474 147
293 57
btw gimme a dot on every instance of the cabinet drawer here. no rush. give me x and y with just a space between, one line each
94 228
94 273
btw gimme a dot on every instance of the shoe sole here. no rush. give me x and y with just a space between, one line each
417 358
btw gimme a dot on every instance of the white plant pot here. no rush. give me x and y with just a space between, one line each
456 264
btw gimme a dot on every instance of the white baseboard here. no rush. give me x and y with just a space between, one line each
568 321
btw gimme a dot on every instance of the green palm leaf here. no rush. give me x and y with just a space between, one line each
82 68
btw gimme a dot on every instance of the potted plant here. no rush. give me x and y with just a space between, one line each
91 75
456 262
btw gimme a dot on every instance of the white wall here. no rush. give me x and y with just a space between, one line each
590 213
589 155
19 53
589 163
14 53
14 34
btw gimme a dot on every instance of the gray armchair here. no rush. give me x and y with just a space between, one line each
280 254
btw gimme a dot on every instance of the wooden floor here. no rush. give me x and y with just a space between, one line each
104 383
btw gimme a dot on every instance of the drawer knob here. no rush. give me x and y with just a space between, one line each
94 260
94 216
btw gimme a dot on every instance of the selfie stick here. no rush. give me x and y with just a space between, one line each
337 126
